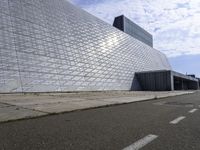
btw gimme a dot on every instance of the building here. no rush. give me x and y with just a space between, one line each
166 80
51 45
156 80
199 81
126 25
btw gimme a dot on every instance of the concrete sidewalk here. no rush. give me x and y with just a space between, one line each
21 106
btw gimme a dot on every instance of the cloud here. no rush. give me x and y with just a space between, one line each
175 24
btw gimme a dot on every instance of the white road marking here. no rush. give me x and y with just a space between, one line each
142 142
177 120
193 110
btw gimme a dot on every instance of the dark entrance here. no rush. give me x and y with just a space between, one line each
184 84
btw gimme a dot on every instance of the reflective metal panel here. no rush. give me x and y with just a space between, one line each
51 45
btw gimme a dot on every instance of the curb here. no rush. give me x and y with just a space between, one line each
156 97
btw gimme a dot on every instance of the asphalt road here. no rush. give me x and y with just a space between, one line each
112 128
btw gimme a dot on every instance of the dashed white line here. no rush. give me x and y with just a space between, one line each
177 120
193 110
142 142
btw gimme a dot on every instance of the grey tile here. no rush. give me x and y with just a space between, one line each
53 46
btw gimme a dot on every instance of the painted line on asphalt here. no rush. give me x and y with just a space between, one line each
141 143
193 110
177 120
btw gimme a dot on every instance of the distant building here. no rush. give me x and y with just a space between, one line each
191 75
126 25
199 81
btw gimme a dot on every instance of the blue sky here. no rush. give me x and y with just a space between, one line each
175 25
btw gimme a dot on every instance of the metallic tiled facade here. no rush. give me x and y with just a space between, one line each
50 45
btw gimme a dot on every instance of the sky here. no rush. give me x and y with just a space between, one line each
175 25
